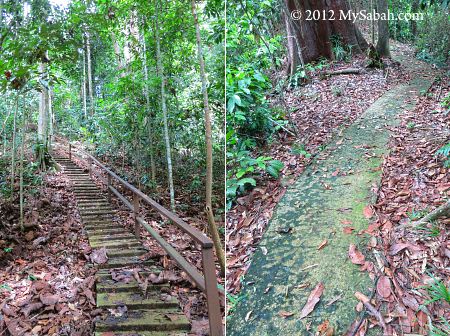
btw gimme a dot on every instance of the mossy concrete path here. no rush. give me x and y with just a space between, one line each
131 309
333 191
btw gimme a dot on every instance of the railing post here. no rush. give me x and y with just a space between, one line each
212 293
70 151
136 214
90 166
109 189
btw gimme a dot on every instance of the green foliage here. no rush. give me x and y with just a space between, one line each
442 330
341 51
437 291
445 152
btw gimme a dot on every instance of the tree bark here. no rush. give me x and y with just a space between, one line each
315 35
383 30
43 108
13 149
147 106
208 141
83 89
164 111
89 75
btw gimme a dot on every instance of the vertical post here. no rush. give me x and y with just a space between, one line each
136 214
212 293
109 189
90 166
70 151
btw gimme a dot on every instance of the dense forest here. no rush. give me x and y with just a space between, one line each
139 86
317 187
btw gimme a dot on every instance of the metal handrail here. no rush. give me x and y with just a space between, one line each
206 282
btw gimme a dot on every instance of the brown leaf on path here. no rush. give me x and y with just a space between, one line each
348 230
368 212
200 327
396 248
313 299
49 300
99 256
285 314
324 329
384 288
355 256
322 244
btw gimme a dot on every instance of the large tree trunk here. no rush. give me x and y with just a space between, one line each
314 35
164 110
208 140
83 88
383 30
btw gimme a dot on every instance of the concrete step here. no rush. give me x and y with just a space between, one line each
145 320
143 333
120 262
111 286
114 236
135 300
115 244
118 253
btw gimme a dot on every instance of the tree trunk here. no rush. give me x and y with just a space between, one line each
13 149
414 9
89 75
83 89
22 158
51 117
43 109
164 111
208 141
383 30
315 35
147 106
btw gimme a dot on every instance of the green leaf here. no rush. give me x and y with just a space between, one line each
247 180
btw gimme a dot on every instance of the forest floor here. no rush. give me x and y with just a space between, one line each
300 258
47 281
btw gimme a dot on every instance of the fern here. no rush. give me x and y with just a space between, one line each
445 152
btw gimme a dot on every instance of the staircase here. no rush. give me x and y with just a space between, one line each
130 312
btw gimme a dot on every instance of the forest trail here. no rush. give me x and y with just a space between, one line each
321 215
132 309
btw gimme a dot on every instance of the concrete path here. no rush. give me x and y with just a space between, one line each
333 190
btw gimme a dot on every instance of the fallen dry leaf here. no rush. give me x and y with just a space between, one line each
384 287
355 256
313 299
368 212
285 314
322 244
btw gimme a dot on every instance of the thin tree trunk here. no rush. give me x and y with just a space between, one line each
51 117
89 75
164 110
147 106
208 140
83 89
13 149
383 30
22 150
